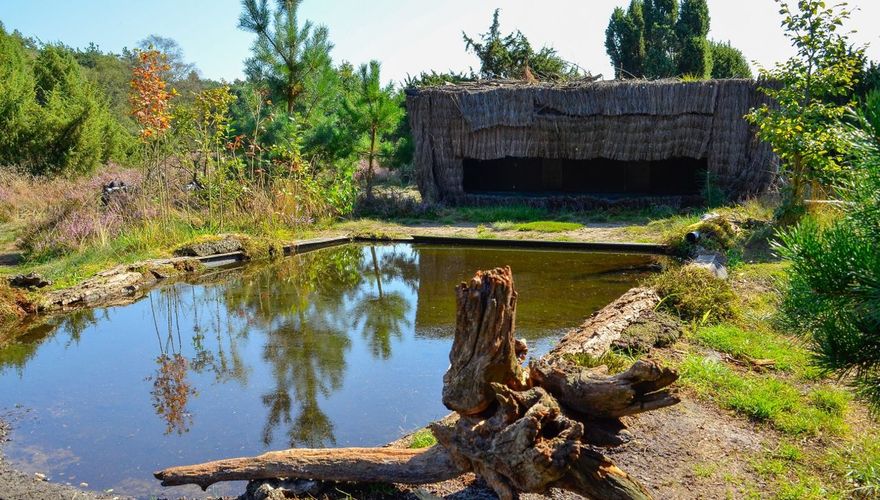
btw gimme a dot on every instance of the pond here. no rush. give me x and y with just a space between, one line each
344 346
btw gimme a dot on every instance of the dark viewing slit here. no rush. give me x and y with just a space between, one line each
539 176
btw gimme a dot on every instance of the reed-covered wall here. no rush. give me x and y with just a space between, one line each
619 120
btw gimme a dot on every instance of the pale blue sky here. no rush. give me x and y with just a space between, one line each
407 36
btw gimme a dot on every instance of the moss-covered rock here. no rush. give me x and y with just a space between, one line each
206 246
652 329
261 248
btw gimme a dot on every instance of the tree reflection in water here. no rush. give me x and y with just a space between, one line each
300 305
171 388
306 306
382 315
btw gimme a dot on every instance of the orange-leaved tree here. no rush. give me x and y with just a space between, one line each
150 106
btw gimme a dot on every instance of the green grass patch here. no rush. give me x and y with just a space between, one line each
543 226
705 470
765 398
615 362
751 345
488 215
423 438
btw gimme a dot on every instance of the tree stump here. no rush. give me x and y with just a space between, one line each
484 349
522 430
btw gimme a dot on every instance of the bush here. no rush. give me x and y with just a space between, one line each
16 97
728 62
833 295
53 119
695 294
73 131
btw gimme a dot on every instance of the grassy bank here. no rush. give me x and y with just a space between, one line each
818 440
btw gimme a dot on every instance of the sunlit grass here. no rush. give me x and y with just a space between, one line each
766 398
543 226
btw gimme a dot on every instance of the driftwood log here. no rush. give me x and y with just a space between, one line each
521 429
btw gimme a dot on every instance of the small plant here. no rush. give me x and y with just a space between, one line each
423 438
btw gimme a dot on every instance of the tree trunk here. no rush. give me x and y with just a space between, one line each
484 349
368 465
599 331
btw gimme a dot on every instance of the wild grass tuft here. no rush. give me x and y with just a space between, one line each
694 294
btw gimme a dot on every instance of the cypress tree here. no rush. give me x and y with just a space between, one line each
660 39
625 40
694 52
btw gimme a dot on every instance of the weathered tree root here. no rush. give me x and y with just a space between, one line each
637 390
521 430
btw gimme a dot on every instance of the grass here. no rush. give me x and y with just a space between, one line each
766 399
151 240
543 226
860 464
423 438
752 345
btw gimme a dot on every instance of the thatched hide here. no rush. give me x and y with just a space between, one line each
618 123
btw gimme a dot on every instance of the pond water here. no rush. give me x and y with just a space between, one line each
339 347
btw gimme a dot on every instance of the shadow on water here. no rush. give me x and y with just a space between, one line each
343 346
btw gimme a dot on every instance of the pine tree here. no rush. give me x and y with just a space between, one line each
374 113
508 56
286 55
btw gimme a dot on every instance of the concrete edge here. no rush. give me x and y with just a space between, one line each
645 248
304 246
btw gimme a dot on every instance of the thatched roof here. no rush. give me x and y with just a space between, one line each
630 120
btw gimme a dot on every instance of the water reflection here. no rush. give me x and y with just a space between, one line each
301 307
171 387
379 314
285 354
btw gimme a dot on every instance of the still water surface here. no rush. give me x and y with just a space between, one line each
339 347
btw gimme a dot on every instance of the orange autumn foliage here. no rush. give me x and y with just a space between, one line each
150 96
